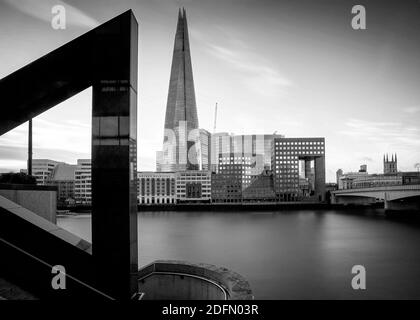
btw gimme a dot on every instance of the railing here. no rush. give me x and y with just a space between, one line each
380 188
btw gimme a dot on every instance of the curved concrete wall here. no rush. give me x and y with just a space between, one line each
160 286
175 280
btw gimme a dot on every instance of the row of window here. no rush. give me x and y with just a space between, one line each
295 143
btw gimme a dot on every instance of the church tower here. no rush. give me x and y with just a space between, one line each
390 166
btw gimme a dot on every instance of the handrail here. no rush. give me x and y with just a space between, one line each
188 275
51 266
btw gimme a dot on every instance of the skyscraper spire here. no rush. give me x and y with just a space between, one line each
181 110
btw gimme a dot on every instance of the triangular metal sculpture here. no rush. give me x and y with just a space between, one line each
106 60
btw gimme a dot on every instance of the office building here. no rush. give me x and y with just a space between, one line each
204 150
345 180
285 158
42 170
193 186
261 188
156 188
257 146
63 177
83 182
232 177
376 180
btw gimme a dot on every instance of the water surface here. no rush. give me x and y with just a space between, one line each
288 254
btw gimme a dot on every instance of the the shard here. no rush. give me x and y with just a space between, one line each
181 121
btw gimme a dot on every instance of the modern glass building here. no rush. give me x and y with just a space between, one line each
258 146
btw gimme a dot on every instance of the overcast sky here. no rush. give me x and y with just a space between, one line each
295 67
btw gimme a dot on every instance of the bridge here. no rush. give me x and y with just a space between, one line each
397 197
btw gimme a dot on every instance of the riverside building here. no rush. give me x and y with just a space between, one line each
156 188
286 155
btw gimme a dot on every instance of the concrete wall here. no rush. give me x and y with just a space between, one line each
41 200
407 204
353 200
320 178
176 280
179 287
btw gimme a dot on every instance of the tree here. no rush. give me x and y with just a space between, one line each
17 178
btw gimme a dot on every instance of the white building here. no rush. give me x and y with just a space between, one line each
377 180
156 188
42 170
204 156
345 180
83 182
193 186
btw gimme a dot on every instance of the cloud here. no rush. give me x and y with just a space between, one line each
42 10
412 110
11 165
257 75
367 159
53 138
390 133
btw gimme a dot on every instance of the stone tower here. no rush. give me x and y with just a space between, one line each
390 166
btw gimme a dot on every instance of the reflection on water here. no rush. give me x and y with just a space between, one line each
287 255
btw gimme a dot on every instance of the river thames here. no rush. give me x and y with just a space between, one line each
292 254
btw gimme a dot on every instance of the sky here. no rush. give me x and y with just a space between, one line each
296 67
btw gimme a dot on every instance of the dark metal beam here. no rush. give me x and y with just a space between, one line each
106 60
30 147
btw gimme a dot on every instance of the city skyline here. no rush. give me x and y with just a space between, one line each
359 89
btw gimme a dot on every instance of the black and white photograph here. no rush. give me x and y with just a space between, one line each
227 152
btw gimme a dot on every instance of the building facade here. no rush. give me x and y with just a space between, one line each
258 146
232 177
83 182
193 186
285 158
156 188
226 188
63 177
345 180
376 180
42 170
261 188
204 150
390 166
362 180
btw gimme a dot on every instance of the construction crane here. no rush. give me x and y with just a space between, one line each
215 118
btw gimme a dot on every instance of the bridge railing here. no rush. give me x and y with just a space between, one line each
381 188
